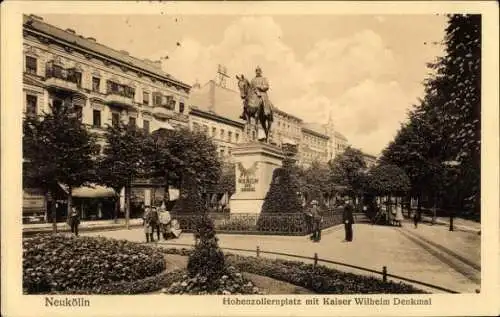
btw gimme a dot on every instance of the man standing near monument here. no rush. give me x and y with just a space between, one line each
348 219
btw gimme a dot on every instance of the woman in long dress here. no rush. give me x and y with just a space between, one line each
399 216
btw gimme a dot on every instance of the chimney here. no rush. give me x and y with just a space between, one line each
92 39
124 52
157 63
71 31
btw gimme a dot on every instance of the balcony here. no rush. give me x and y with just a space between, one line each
162 112
58 78
120 101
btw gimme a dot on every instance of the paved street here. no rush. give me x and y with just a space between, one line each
405 251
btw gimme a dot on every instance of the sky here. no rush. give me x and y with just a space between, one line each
364 70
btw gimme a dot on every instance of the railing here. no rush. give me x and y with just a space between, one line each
275 223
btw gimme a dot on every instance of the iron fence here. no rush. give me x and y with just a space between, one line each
296 223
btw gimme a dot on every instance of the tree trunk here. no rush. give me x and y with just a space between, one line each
166 195
117 207
70 202
50 197
127 206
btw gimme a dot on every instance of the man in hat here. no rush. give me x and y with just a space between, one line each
316 218
348 219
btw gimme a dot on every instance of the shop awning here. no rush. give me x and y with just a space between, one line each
91 191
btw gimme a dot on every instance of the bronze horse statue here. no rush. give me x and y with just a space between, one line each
254 107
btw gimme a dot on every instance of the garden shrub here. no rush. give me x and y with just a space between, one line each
207 259
60 262
321 279
147 285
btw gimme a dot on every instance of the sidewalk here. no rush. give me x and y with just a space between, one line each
95 225
458 223
373 247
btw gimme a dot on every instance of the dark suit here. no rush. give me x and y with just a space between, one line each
348 219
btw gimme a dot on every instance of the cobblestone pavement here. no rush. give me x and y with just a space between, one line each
402 250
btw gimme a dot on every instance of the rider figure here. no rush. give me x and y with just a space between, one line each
260 85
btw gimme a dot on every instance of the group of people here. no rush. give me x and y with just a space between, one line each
160 221
315 219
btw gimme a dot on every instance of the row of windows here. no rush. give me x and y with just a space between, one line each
73 75
222 133
32 109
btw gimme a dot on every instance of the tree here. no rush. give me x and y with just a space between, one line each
458 85
57 149
315 182
283 194
347 169
124 159
181 154
190 199
445 126
387 179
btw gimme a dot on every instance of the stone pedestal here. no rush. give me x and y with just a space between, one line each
254 164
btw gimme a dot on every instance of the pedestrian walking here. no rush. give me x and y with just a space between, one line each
416 218
348 219
316 219
74 221
399 216
148 229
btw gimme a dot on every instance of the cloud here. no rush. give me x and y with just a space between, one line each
352 76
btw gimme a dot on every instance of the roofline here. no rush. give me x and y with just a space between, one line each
74 45
213 116
277 110
316 133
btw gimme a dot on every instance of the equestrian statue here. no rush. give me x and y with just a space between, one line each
256 103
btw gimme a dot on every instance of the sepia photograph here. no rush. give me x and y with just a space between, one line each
266 154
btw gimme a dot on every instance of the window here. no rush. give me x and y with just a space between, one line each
131 121
222 134
222 152
78 79
181 107
96 82
145 126
157 99
145 97
115 119
229 136
236 137
31 65
214 131
79 112
31 105
205 129
97 118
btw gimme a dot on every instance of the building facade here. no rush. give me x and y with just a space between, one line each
370 160
224 132
103 85
286 128
314 146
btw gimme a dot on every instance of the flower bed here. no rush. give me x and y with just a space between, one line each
55 263
321 279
